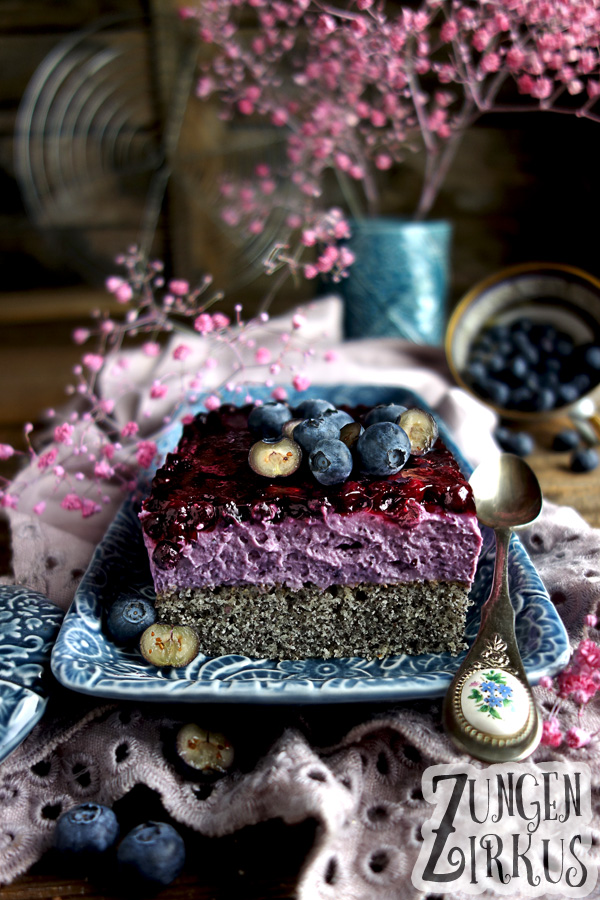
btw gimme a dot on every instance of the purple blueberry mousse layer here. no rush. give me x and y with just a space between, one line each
332 549
211 521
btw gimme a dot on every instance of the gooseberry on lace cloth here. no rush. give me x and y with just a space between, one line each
365 790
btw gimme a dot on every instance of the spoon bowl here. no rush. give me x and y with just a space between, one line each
489 710
506 492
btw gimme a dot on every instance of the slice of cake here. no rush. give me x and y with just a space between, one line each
291 568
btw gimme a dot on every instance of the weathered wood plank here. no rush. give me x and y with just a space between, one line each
35 16
69 303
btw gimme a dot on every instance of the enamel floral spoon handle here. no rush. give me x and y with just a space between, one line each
489 709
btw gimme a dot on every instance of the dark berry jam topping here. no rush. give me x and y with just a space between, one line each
208 478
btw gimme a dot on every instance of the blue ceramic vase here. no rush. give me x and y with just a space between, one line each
397 286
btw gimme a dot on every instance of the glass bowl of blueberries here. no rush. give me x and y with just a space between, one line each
526 341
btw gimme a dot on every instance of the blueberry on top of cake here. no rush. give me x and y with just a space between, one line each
306 549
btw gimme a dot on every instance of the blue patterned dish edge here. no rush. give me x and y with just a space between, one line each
29 625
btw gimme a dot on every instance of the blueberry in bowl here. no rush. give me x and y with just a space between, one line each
526 341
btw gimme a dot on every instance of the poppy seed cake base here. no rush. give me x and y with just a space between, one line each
368 620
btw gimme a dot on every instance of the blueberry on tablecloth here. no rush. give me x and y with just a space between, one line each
88 829
567 439
153 852
518 442
584 460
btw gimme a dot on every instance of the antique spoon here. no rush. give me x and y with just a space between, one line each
489 710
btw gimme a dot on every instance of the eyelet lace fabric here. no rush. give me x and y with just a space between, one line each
364 789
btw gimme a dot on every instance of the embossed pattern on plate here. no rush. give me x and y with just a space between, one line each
87 660
29 625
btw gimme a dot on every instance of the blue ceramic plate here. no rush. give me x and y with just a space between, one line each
85 659
29 624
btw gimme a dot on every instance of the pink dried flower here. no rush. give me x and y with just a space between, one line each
179 287
301 382
103 470
93 361
181 352
204 323
577 737
124 293
552 736
591 621
81 335
151 348
6 451
448 31
63 434
588 652
280 394
212 402
129 429
579 685
220 320
71 501
383 161
145 453
39 507
47 459
546 682
593 89
89 507
263 356
112 283
362 92
158 390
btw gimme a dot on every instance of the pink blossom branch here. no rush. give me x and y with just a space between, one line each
91 449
